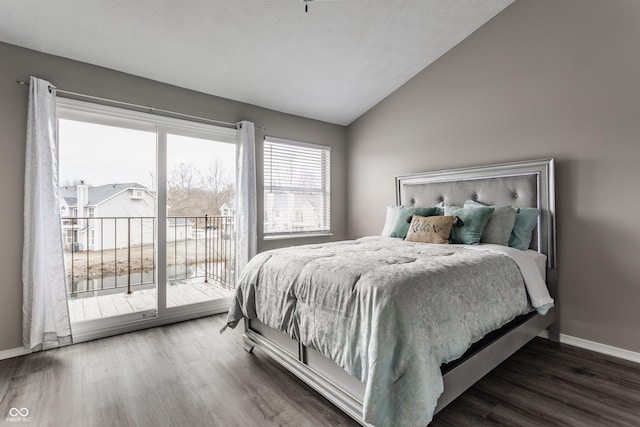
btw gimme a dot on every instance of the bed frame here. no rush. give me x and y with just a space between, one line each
520 184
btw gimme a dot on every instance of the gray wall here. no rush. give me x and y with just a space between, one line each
18 63
545 78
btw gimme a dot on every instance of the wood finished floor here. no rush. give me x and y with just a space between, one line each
187 374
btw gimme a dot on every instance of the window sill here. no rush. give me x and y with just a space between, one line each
296 235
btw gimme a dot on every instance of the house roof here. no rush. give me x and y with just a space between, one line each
228 205
71 201
96 194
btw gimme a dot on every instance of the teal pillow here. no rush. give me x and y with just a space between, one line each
500 225
474 219
401 224
526 221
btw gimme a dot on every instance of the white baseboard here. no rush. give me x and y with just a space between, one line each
13 352
609 350
21 351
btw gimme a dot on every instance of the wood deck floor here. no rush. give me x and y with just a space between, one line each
98 307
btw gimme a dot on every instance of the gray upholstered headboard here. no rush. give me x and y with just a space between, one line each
520 184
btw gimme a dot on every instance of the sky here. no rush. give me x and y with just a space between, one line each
100 154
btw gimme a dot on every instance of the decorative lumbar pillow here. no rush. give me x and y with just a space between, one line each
526 221
401 225
474 219
390 220
431 229
500 225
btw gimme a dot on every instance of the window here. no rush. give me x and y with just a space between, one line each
296 188
137 194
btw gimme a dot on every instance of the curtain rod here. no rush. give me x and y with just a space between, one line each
152 110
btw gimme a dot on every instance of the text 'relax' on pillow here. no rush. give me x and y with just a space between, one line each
430 229
401 223
500 225
474 220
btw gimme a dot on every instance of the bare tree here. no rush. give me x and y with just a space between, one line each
181 177
219 185
179 185
191 192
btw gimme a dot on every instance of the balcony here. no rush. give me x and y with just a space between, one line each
110 263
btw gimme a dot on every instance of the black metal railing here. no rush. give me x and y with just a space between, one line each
211 252
110 254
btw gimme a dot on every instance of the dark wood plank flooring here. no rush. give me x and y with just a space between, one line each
187 374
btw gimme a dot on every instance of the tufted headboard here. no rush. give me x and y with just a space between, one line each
519 184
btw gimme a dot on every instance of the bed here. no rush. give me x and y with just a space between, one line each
391 355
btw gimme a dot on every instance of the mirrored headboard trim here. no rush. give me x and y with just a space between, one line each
520 184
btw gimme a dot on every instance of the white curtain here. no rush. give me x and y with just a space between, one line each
247 233
44 305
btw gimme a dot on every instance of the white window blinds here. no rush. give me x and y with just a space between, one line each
296 187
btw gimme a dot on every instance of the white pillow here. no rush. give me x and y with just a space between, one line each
392 214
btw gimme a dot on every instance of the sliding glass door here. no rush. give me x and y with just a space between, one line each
148 215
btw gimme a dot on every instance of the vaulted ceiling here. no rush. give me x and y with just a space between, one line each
332 63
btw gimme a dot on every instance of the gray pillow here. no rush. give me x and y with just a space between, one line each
526 221
500 225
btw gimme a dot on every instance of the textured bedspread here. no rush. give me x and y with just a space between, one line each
389 312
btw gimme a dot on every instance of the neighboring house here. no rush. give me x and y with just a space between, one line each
228 209
286 212
113 216
225 224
